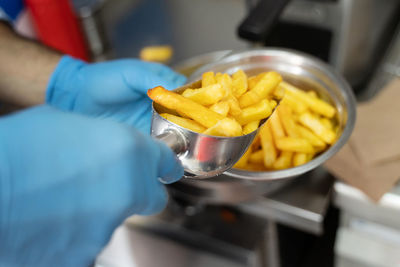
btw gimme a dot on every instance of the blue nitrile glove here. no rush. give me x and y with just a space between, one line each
114 89
67 181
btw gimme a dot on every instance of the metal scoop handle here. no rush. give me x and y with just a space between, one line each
174 140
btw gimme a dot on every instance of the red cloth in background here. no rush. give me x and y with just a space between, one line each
58 27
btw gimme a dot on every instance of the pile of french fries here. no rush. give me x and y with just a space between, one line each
302 127
224 105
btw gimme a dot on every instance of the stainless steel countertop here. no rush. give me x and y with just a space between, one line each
302 204
131 247
204 240
353 201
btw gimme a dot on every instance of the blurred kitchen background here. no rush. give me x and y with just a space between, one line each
313 220
352 35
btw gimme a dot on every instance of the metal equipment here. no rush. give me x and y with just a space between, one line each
202 155
299 69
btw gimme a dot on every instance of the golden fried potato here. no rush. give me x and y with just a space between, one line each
327 123
285 115
265 86
291 101
185 123
314 124
225 127
268 146
226 82
253 80
311 137
279 92
221 107
300 159
256 145
273 103
239 83
250 127
234 108
302 126
254 167
207 79
257 111
208 95
162 53
276 126
315 104
188 107
257 157
293 144
242 163
284 161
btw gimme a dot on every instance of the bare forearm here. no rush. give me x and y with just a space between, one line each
25 68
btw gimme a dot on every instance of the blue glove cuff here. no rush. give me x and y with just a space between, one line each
62 90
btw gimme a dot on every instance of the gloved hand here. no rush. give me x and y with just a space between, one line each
115 89
67 181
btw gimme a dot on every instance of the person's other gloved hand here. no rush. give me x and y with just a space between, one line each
115 89
67 181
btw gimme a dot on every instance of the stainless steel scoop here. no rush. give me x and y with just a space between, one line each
201 155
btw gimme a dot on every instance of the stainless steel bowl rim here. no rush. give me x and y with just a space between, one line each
331 74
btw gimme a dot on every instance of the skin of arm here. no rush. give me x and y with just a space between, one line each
25 68
32 74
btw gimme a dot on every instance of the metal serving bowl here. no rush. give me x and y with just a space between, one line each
297 68
306 72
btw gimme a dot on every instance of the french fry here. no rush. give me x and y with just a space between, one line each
294 145
315 104
254 167
253 80
162 53
264 87
226 82
221 107
258 111
327 123
314 140
314 124
239 83
273 103
234 108
300 159
207 79
185 123
250 127
188 107
234 105
256 145
284 161
268 147
242 162
285 115
257 157
206 95
279 92
276 126
225 127
297 106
